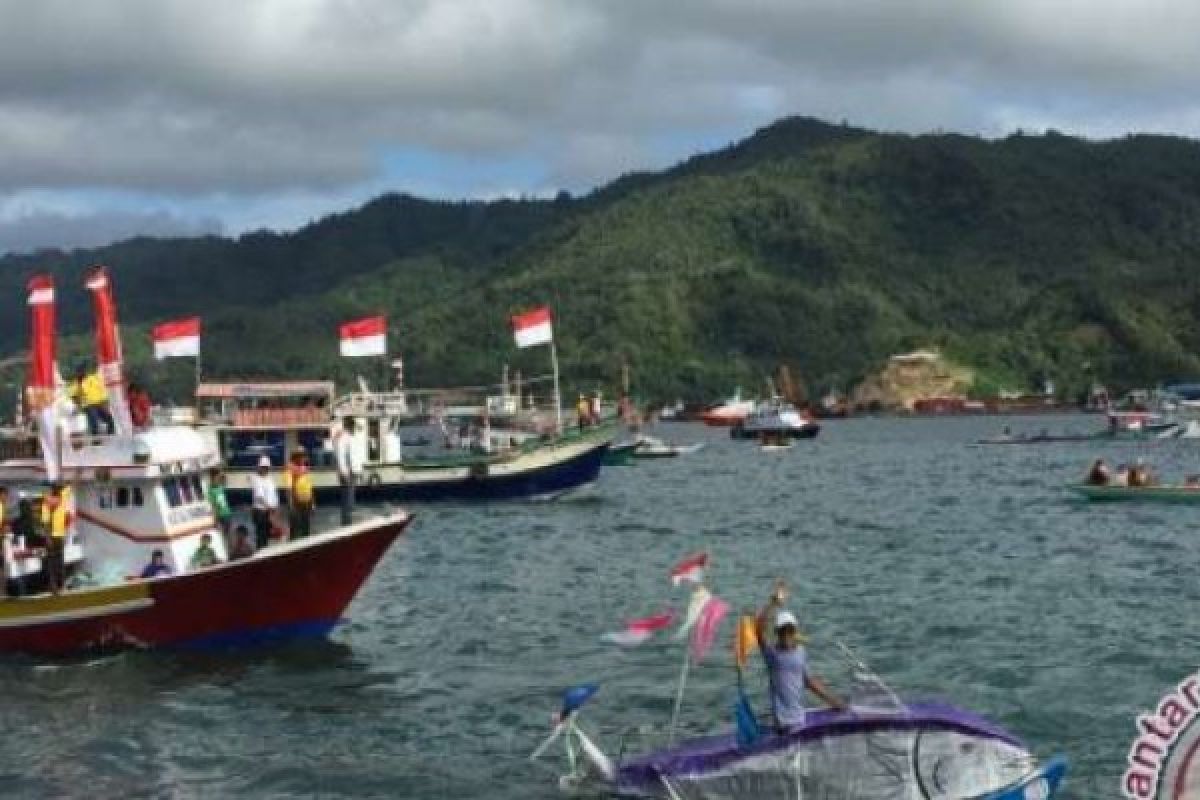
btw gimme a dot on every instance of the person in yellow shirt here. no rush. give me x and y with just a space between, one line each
56 516
301 500
88 392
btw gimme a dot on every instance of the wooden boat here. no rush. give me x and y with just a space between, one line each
501 460
1181 495
138 494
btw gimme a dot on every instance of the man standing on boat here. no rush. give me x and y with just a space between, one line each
300 495
56 515
343 453
787 663
265 503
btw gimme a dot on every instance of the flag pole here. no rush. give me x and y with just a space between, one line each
557 392
683 676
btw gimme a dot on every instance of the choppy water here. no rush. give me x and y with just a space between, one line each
958 571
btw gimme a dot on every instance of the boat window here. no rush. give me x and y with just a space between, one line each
185 489
123 497
198 488
138 500
171 487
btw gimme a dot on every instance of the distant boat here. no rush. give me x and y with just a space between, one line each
504 457
653 447
1179 495
773 447
776 418
730 412
621 453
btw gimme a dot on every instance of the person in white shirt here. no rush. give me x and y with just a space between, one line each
343 454
265 502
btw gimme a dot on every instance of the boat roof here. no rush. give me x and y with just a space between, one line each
148 454
709 753
263 389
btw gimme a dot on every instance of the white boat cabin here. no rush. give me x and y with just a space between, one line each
129 496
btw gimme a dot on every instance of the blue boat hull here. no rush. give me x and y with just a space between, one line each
551 479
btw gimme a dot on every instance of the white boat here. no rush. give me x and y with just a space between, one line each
653 447
729 413
776 418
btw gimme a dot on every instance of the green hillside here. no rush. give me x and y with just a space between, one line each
823 247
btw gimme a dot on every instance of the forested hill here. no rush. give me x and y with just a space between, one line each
823 247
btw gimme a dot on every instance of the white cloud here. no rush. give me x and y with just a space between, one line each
282 102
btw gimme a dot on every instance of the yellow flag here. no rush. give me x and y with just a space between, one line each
745 642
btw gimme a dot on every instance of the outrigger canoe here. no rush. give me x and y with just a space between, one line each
1182 495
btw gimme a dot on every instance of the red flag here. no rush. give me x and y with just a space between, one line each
533 327
639 630
108 348
691 569
364 337
177 338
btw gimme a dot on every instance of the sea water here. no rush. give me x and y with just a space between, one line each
957 571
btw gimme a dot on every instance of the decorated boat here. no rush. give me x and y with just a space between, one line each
776 418
486 449
879 746
1181 495
875 745
728 413
919 750
133 497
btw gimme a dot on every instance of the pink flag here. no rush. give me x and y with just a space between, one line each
691 569
639 630
704 632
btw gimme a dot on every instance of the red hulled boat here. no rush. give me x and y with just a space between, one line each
132 493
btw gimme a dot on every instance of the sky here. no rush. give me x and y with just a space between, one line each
183 117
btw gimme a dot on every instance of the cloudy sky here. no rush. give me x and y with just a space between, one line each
183 116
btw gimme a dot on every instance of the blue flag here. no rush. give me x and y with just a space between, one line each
748 731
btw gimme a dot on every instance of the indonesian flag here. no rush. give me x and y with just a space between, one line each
639 630
704 615
108 349
533 327
41 381
179 338
690 570
364 337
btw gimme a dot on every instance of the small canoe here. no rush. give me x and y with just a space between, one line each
1132 494
768 448
621 454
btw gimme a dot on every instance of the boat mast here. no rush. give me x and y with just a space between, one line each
558 421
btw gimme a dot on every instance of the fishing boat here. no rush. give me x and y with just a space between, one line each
1181 495
654 447
776 418
488 450
132 494
621 453
901 750
728 413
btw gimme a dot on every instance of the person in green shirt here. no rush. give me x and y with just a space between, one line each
220 505
204 556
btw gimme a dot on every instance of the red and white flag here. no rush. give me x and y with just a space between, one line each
109 358
690 570
41 380
639 630
179 338
364 337
533 327
704 614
